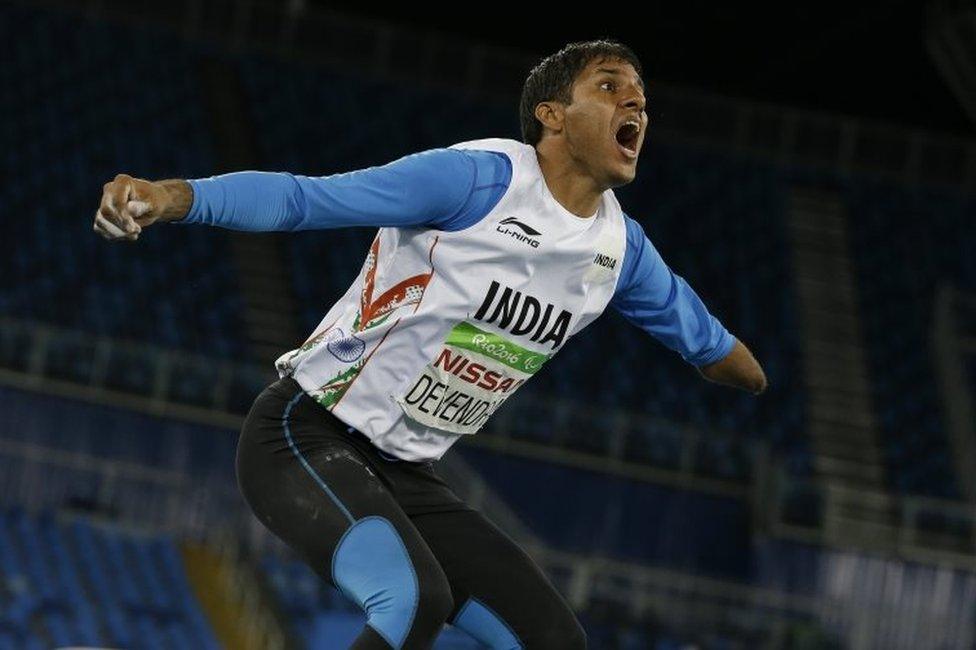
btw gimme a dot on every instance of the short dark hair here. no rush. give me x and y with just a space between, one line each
552 79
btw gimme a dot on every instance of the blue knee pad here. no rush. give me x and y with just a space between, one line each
481 622
372 567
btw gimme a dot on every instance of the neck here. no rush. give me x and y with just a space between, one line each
568 182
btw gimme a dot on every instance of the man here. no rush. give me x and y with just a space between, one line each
489 256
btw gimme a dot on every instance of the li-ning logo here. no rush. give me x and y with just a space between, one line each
527 234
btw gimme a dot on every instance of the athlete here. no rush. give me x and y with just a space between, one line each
489 256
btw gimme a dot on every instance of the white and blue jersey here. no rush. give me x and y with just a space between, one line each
476 278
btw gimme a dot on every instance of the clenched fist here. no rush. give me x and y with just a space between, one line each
131 204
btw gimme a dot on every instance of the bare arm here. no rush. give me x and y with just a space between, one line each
739 368
177 201
130 204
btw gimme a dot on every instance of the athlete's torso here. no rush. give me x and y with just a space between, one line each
440 328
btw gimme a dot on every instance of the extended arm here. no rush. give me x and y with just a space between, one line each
433 188
663 304
447 189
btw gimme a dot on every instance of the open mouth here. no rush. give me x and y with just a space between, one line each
627 137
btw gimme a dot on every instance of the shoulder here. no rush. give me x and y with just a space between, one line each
512 149
457 168
503 145
640 255
493 160
635 232
622 224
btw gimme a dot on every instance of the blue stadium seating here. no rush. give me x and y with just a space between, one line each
116 434
717 219
324 619
906 242
181 284
74 583
622 518
175 286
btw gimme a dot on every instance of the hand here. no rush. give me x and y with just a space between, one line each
128 205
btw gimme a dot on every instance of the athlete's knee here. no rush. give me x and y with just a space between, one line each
430 604
371 566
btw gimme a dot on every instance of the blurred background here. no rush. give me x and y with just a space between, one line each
811 172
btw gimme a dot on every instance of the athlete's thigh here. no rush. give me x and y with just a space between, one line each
324 498
310 488
501 596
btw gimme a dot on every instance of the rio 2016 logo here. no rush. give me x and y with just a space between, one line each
496 350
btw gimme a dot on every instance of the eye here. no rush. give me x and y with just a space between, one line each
608 85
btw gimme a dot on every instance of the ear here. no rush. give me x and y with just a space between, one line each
551 114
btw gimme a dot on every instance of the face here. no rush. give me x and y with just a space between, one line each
606 121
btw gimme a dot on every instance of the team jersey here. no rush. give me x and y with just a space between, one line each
475 279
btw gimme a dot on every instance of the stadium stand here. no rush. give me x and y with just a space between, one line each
66 144
716 218
907 242
70 581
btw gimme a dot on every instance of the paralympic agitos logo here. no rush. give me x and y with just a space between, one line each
526 235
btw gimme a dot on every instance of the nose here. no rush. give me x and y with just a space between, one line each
635 100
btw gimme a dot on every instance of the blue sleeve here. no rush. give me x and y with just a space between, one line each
445 189
658 301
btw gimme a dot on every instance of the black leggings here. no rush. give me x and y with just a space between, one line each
390 534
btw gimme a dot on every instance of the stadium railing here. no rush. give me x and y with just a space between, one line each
925 529
218 392
921 529
39 480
